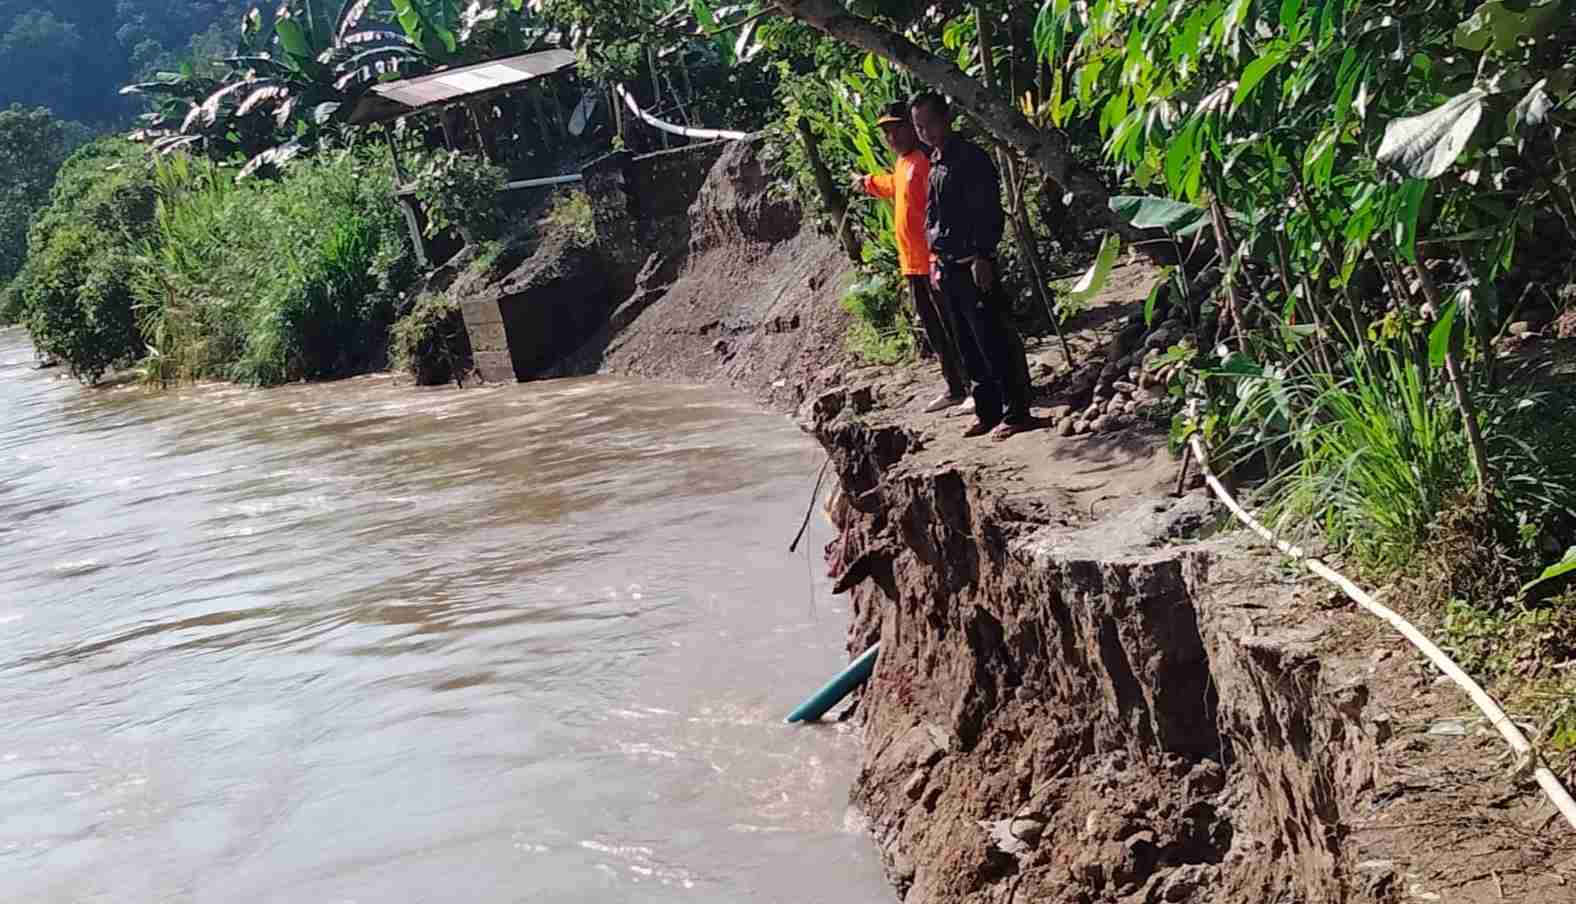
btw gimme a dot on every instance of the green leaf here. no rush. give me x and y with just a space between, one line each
1255 73
293 39
1093 281
1288 12
1426 145
1412 194
1174 217
1557 570
1439 336
870 66
1154 298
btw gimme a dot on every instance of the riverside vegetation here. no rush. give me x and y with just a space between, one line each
1354 205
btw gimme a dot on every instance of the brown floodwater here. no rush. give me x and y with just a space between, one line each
358 642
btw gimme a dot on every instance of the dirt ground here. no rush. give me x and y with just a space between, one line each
1418 805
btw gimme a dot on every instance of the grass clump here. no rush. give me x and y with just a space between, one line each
174 266
570 213
430 343
880 332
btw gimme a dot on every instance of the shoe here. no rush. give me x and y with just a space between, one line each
967 407
943 402
980 428
1008 429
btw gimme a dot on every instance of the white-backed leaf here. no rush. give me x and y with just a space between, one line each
1534 109
278 156
268 92
285 111
350 16
1093 281
1424 146
325 111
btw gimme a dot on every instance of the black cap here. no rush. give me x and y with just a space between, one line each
893 114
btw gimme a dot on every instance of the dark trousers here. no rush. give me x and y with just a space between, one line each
939 334
993 354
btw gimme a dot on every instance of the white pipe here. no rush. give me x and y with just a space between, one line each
543 183
655 123
1526 755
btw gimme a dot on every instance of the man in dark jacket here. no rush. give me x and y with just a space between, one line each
964 222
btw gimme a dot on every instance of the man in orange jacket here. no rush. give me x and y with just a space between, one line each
906 186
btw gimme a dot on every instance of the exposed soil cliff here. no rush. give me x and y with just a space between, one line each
1082 696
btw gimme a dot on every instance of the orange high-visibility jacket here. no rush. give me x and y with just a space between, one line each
907 186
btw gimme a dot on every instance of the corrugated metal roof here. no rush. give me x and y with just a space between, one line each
452 85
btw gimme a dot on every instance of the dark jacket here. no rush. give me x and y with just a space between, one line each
963 215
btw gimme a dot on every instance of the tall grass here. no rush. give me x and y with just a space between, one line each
1372 457
269 282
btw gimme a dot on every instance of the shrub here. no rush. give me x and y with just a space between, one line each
430 343
570 212
880 332
74 290
460 191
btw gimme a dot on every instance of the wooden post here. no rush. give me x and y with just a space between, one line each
399 170
656 90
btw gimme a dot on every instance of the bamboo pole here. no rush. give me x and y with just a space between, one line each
1023 229
1528 758
656 90
1458 385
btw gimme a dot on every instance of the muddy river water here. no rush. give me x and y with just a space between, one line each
357 642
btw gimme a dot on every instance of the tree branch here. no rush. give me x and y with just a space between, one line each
1050 150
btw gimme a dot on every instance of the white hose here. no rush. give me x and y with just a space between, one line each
655 123
1518 742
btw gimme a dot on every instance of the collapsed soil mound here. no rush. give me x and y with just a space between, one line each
753 303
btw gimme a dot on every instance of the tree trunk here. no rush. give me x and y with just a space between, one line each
1049 150
830 195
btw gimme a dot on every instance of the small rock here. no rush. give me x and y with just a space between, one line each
1134 373
1449 727
1368 866
1068 427
1001 835
902 869
1205 779
1082 427
1130 408
1028 830
1115 406
1058 412
915 786
1522 328
1160 339
1124 387
1100 424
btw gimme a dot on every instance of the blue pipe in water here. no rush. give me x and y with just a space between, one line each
835 690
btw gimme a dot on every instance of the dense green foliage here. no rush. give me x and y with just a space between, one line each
266 283
174 266
74 292
33 144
